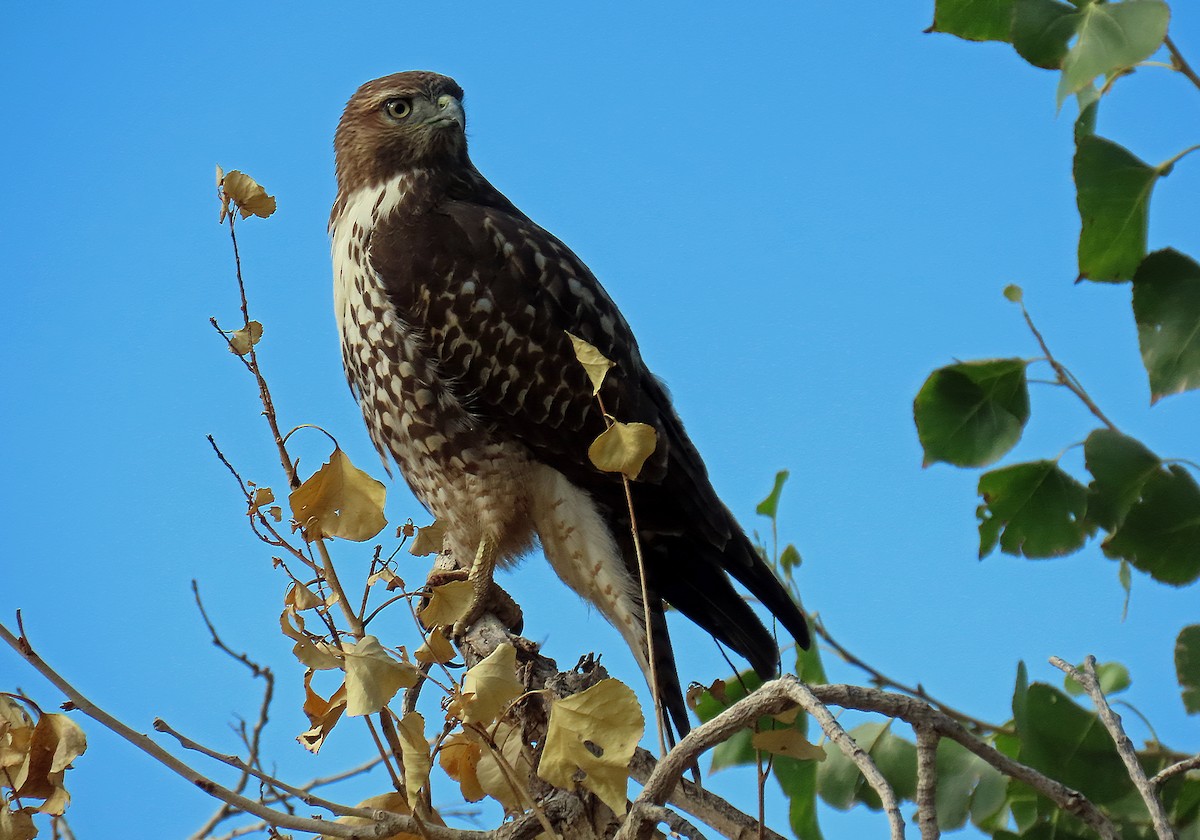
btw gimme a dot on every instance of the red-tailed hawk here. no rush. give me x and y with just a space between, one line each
454 310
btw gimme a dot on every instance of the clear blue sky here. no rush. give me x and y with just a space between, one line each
802 210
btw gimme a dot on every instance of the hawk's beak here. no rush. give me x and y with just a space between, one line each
447 111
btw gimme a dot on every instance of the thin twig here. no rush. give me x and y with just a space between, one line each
1166 773
1112 722
927 779
1065 377
1179 63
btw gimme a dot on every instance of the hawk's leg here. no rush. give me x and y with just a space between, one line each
480 576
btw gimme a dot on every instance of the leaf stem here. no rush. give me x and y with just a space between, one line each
1065 377
1180 63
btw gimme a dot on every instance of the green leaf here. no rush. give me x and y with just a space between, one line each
974 20
1041 30
789 559
841 784
769 506
1187 666
1013 293
1113 194
969 414
736 750
1033 509
1089 106
1113 677
1161 532
1069 744
962 777
1120 465
1112 37
1166 306
798 780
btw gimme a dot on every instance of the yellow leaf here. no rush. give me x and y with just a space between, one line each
339 500
788 716
55 743
428 541
240 341
623 448
489 686
248 195
16 731
459 756
315 653
605 719
301 597
276 512
262 496
390 578
437 648
447 603
373 677
322 714
593 361
787 742
414 750
390 801
494 781
16 825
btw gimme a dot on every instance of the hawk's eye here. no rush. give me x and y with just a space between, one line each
398 109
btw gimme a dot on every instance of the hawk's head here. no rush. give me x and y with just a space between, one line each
403 121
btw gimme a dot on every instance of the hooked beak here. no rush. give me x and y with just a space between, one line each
447 111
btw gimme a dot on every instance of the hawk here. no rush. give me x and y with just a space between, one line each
455 311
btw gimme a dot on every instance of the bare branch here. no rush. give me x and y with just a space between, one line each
1179 63
1112 722
1166 773
927 779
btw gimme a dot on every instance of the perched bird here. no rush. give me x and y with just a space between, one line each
454 310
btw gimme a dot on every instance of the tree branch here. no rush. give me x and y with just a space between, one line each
927 779
1112 722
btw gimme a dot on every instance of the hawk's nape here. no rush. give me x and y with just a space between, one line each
454 310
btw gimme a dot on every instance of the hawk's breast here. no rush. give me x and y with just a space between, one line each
471 479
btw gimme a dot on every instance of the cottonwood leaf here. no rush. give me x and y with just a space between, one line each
262 496
373 677
390 801
1113 191
1161 531
459 756
595 731
55 743
970 413
489 686
787 742
322 714
414 751
769 506
16 731
300 597
247 194
1166 306
841 784
1032 509
1120 466
339 500
315 653
973 20
1111 37
1112 676
1041 31
16 825
448 603
512 793
429 540
437 648
595 364
623 448
240 341
1187 666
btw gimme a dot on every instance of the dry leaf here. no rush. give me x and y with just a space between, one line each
373 677
16 825
623 448
390 801
428 541
301 597
56 742
414 751
339 500
322 714
494 781
788 716
248 195
459 756
315 653
489 686
605 718
593 361
393 580
262 496
447 603
240 341
437 648
787 742
16 731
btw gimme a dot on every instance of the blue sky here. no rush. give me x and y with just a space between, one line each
802 210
